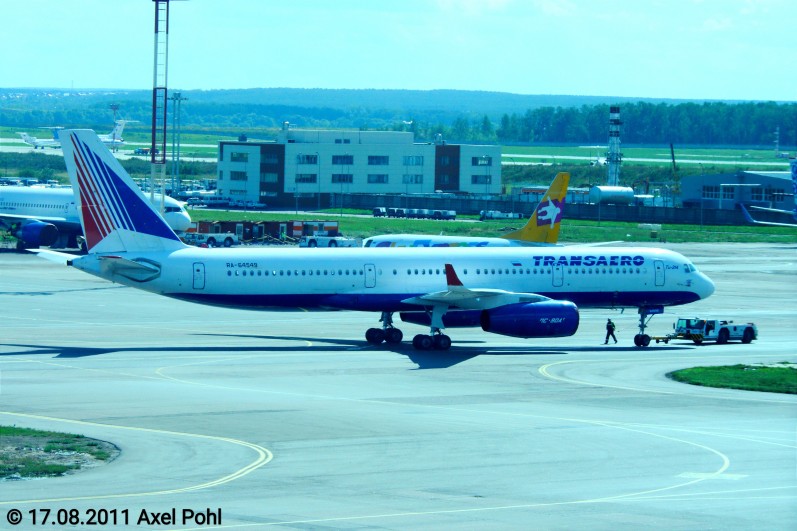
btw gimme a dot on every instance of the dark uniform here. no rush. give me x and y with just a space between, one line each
609 332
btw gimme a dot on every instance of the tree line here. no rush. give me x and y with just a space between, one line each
643 122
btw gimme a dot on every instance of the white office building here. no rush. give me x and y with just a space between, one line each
329 163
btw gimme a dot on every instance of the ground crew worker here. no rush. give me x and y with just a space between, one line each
609 332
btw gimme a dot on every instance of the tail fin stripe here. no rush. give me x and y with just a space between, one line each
97 224
90 188
110 196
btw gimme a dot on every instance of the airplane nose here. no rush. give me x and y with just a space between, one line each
706 286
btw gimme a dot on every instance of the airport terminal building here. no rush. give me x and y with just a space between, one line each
329 164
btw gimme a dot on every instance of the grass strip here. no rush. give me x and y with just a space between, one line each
746 377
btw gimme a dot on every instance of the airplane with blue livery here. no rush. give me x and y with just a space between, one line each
524 292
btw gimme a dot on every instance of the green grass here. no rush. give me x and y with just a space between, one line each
572 231
745 377
17 445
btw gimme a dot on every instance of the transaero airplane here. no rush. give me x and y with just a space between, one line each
39 216
512 291
541 229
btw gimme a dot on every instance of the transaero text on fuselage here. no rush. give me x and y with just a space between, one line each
589 260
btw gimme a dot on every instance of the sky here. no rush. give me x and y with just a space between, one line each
693 49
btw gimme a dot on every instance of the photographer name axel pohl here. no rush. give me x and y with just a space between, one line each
186 516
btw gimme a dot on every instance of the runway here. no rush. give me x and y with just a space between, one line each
291 420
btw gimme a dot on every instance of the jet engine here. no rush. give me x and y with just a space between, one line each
537 319
526 320
36 233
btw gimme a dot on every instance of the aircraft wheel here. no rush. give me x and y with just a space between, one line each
375 336
394 335
442 342
644 340
422 342
638 340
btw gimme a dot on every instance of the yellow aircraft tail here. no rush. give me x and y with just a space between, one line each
543 225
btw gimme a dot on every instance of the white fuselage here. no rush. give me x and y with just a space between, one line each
380 279
57 205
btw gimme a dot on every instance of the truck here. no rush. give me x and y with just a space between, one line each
211 239
720 330
328 241
497 214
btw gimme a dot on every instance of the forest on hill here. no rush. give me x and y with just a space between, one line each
458 116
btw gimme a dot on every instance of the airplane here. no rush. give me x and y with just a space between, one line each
542 227
42 143
114 138
541 289
749 218
39 216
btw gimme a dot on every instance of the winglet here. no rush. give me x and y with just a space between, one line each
451 277
543 225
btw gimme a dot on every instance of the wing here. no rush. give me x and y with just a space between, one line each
458 296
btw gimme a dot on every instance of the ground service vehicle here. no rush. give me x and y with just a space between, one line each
497 214
211 239
719 330
328 241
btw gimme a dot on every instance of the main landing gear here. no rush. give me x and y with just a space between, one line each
389 334
646 313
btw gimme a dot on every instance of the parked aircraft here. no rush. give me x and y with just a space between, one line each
39 216
542 227
129 243
749 218
114 138
42 142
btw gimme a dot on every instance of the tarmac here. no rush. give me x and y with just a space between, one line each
286 420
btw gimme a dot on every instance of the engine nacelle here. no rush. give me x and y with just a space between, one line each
37 233
538 319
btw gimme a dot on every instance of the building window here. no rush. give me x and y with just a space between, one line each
412 179
711 192
378 160
239 157
341 178
237 175
267 177
377 178
342 159
728 192
270 158
306 177
481 179
481 161
445 179
343 141
306 159
221 175
413 160
445 160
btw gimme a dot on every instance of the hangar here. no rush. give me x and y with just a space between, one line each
770 189
321 166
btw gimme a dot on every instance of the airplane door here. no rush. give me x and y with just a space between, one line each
558 275
658 265
370 275
199 275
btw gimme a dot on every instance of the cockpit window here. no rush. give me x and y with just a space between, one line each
689 268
